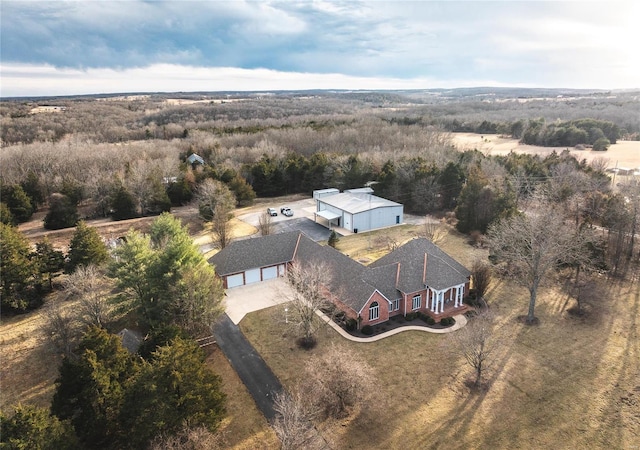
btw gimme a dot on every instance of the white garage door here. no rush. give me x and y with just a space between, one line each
252 276
235 280
270 273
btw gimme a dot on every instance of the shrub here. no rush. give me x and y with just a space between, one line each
447 321
367 330
430 320
307 343
410 316
351 324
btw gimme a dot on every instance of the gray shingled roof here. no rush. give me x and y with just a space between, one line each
351 282
442 270
256 252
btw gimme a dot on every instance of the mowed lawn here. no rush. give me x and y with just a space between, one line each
565 383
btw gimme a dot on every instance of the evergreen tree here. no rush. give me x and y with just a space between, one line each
34 428
90 388
333 239
86 247
17 201
481 203
165 277
63 213
49 261
5 215
176 387
123 204
243 191
17 271
451 182
34 189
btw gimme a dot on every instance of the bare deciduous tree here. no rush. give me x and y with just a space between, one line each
190 438
214 195
481 275
90 286
308 283
265 224
532 245
434 231
60 328
294 421
337 380
476 342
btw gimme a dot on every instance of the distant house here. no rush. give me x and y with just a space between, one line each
358 210
417 277
193 158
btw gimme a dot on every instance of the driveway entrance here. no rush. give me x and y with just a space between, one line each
254 297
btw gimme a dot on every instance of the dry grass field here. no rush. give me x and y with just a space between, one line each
623 153
567 383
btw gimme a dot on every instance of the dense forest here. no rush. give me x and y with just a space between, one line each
141 155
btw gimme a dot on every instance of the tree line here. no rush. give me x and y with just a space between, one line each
107 397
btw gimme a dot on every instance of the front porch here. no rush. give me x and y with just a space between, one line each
449 309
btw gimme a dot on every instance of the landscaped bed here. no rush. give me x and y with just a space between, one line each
413 319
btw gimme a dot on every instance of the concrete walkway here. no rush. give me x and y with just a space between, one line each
242 300
461 321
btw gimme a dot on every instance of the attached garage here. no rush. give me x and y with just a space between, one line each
235 280
252 276
269 259
269 273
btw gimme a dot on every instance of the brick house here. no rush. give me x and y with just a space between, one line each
416 277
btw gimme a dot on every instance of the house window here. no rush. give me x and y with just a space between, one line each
417 301
374 311
395 305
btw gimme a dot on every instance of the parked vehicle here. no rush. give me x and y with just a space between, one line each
272 211
286 211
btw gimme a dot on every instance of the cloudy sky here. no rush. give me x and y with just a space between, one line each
81 47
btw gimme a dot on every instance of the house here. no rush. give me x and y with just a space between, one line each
358 210
194 158
416 277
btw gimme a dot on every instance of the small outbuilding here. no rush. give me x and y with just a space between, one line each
194 158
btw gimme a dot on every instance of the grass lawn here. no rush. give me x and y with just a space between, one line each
565 383
244 427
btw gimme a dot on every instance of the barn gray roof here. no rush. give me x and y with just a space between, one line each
356 202
402 270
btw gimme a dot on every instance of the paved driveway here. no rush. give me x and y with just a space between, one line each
256 375
254 297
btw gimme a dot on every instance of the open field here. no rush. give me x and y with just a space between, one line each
622 154
566 383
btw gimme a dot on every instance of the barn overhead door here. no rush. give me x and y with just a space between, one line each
269 273
235 280
252 276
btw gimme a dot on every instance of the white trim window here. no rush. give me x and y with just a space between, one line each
374 311
417 302
396 304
